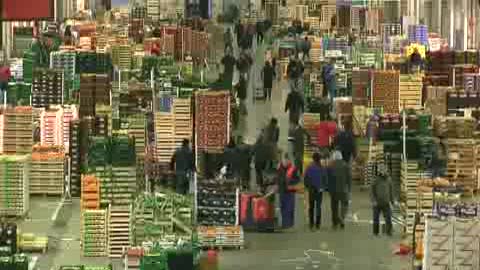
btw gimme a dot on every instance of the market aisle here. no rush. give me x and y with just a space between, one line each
354 248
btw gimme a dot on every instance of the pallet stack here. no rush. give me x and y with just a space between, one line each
119 220
94 233
14 195
410 174
386 91
214 209
133 257
411 92
436 99
47 87
172 124
212 120
16 136
90 194
117 184
136 129
461 164
47 170
328 12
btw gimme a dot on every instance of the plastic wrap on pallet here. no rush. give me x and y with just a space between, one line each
418 34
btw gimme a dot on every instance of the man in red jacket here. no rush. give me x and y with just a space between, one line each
5 75
326 131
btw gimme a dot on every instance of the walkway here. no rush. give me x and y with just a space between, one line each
352 249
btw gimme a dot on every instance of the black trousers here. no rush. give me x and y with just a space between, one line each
267 93
387 215
259 170
339 208
315 208
259 37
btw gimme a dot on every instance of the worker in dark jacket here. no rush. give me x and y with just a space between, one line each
183 164
230 158
382 199
241 88
294 72
345 142
296 138
228 62
271 136
329 80
245 153
316 180
340 187
262 157
294 106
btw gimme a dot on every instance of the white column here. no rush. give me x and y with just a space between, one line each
437 14
418 10
451 34
465 24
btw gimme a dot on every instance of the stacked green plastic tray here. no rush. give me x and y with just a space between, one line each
19 93
15 262
154 262
29 63
98 152
122 151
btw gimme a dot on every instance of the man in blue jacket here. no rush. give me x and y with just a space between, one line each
329 80
316 178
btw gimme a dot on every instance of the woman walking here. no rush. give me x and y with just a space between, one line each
268 73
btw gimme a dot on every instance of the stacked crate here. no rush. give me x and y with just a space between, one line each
51 127
212 120
122 56
411 92
386 91
90 195
461 164
47 87
87 95
94 233
119 219
70 114
19 93
16 126
14 194
360 85
136 129
117 184
47 170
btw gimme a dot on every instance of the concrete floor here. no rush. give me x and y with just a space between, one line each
351 249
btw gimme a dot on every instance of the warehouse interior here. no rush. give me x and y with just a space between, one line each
257 134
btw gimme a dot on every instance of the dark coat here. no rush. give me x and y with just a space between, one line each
341 179
268 75
294 103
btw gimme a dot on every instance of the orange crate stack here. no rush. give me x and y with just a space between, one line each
90 197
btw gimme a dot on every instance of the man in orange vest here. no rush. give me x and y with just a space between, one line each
287 177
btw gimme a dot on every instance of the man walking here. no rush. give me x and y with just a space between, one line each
382 199
296 138
183 163
340 189
294 106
